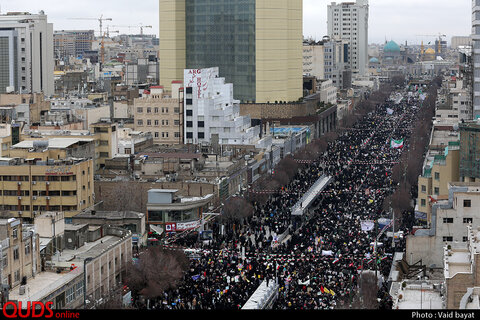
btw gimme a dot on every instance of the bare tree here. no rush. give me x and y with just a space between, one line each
156 271
236 209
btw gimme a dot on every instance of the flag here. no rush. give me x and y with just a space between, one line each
389 111
322 289
396 144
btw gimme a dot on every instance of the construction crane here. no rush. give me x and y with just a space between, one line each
139 26
108 32
100 20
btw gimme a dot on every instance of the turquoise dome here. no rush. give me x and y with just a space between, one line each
374 60
392 46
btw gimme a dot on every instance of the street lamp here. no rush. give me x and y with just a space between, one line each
85 261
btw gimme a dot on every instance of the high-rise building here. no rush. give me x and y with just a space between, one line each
257 45
349 21
26 44
327 59
476 57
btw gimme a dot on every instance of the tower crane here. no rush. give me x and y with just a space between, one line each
100 20
139 26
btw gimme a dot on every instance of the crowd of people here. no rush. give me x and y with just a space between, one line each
319 263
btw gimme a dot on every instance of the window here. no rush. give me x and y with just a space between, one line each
436 191
447 220
423 202
424 189
437 175
467 220
446 239
201 135
201 124
467 203
189 124
139 110
70 294
189 113
16 256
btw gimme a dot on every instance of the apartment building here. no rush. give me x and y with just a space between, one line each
20 252
160 113
72 43
449 218
349 21
31 186
441 166
106 142
27 44
78 277
461 265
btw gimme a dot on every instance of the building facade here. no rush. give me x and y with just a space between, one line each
257 45
30 187
469 151
349 21
27 43
161 114
72 43
211 113
476 57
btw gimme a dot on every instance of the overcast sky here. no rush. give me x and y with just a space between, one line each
398 20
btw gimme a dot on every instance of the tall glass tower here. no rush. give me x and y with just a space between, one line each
222 34
257 45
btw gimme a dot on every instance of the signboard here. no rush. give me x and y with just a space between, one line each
199 78
62 170
182 226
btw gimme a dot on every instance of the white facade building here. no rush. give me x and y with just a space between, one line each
28 41
349 21
328 92
476 57
313 60
210 110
